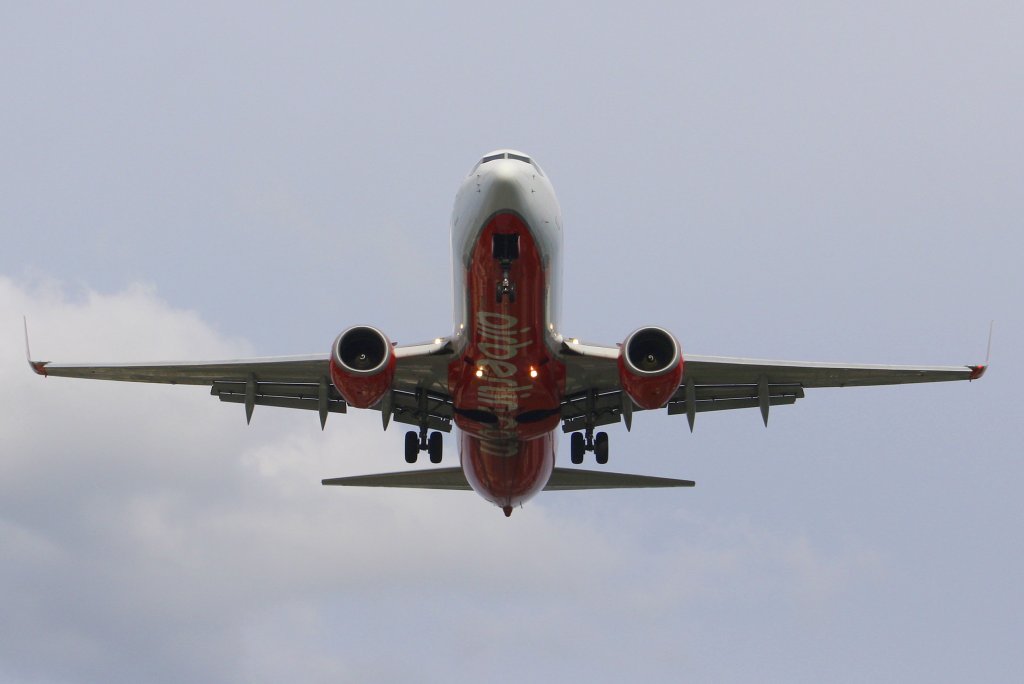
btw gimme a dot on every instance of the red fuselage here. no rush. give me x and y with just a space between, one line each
506 382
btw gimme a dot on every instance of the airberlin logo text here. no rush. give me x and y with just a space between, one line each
500 342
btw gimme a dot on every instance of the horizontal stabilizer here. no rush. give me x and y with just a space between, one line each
575 478
562 479
436 478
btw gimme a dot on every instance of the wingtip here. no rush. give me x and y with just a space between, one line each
38 367
979 370
988 349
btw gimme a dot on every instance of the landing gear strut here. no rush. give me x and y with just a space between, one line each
505 249
582 443
505 288
579 445
415 443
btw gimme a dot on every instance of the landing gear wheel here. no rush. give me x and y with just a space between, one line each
601 447
503 289
412 447
435 447
577 447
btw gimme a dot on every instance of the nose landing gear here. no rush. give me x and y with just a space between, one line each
505 248
505 288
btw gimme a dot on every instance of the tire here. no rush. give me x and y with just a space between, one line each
412 447
577 447
435 447
601 447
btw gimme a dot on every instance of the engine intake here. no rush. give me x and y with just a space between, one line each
362 365
650 367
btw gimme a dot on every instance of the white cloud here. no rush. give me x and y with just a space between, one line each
149 534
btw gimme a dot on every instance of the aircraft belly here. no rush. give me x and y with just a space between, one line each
507 473
505 383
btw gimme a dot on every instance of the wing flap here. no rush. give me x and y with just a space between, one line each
288 369
678 407
286 402
729 370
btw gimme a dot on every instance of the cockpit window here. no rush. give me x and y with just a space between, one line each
508 155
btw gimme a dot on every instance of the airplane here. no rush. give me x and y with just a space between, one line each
506 377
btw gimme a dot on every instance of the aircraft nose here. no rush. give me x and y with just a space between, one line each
504 187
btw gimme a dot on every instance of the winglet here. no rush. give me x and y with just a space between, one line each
978 371
38 367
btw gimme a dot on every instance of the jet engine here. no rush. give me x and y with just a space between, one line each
362 365
650 367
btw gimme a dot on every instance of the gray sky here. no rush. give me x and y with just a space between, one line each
813 181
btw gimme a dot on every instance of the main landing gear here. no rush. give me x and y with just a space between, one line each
579 445
415 443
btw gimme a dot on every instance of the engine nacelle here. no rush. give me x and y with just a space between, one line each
650 367
362 365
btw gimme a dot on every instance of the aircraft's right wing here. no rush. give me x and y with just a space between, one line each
419 391
716 383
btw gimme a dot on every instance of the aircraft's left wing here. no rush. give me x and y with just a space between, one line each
303 382
715 383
